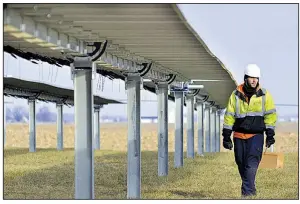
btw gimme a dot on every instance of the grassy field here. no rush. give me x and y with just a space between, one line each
49 174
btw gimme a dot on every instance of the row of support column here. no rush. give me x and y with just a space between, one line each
59 107
134 148
84 181
84 157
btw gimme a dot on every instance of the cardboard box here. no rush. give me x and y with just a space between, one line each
272 160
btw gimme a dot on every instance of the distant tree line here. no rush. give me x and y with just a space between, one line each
19 114
43 114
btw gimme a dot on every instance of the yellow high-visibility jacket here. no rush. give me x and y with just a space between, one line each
247 119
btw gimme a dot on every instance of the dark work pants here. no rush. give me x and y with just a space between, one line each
248 153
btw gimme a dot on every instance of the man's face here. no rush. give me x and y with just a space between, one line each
252 81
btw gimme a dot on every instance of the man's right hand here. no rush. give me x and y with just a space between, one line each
269 141
227 143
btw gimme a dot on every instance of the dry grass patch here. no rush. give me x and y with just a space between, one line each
49 174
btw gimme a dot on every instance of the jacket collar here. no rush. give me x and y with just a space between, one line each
258 92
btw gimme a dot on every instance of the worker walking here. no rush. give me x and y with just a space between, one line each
250 112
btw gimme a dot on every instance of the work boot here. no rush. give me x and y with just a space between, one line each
248 196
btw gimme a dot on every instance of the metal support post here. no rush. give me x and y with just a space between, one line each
60 137
212 130
97 127
162 89
201 129
83 101
190 126
32 127
134 136
218 131
178 159
4 124
207 129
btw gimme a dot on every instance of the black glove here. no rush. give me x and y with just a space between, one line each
227 143
270 137
270 132
269 141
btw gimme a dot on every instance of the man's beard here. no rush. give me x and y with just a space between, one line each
248 88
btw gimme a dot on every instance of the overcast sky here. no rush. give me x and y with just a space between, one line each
238 34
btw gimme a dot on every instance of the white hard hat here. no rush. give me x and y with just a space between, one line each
252 70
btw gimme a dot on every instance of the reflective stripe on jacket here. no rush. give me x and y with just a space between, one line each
247 118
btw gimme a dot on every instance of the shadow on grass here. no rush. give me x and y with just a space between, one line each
14 152
110 171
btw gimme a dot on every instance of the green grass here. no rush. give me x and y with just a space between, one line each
49 174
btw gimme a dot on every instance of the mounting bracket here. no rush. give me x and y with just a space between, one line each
145 69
